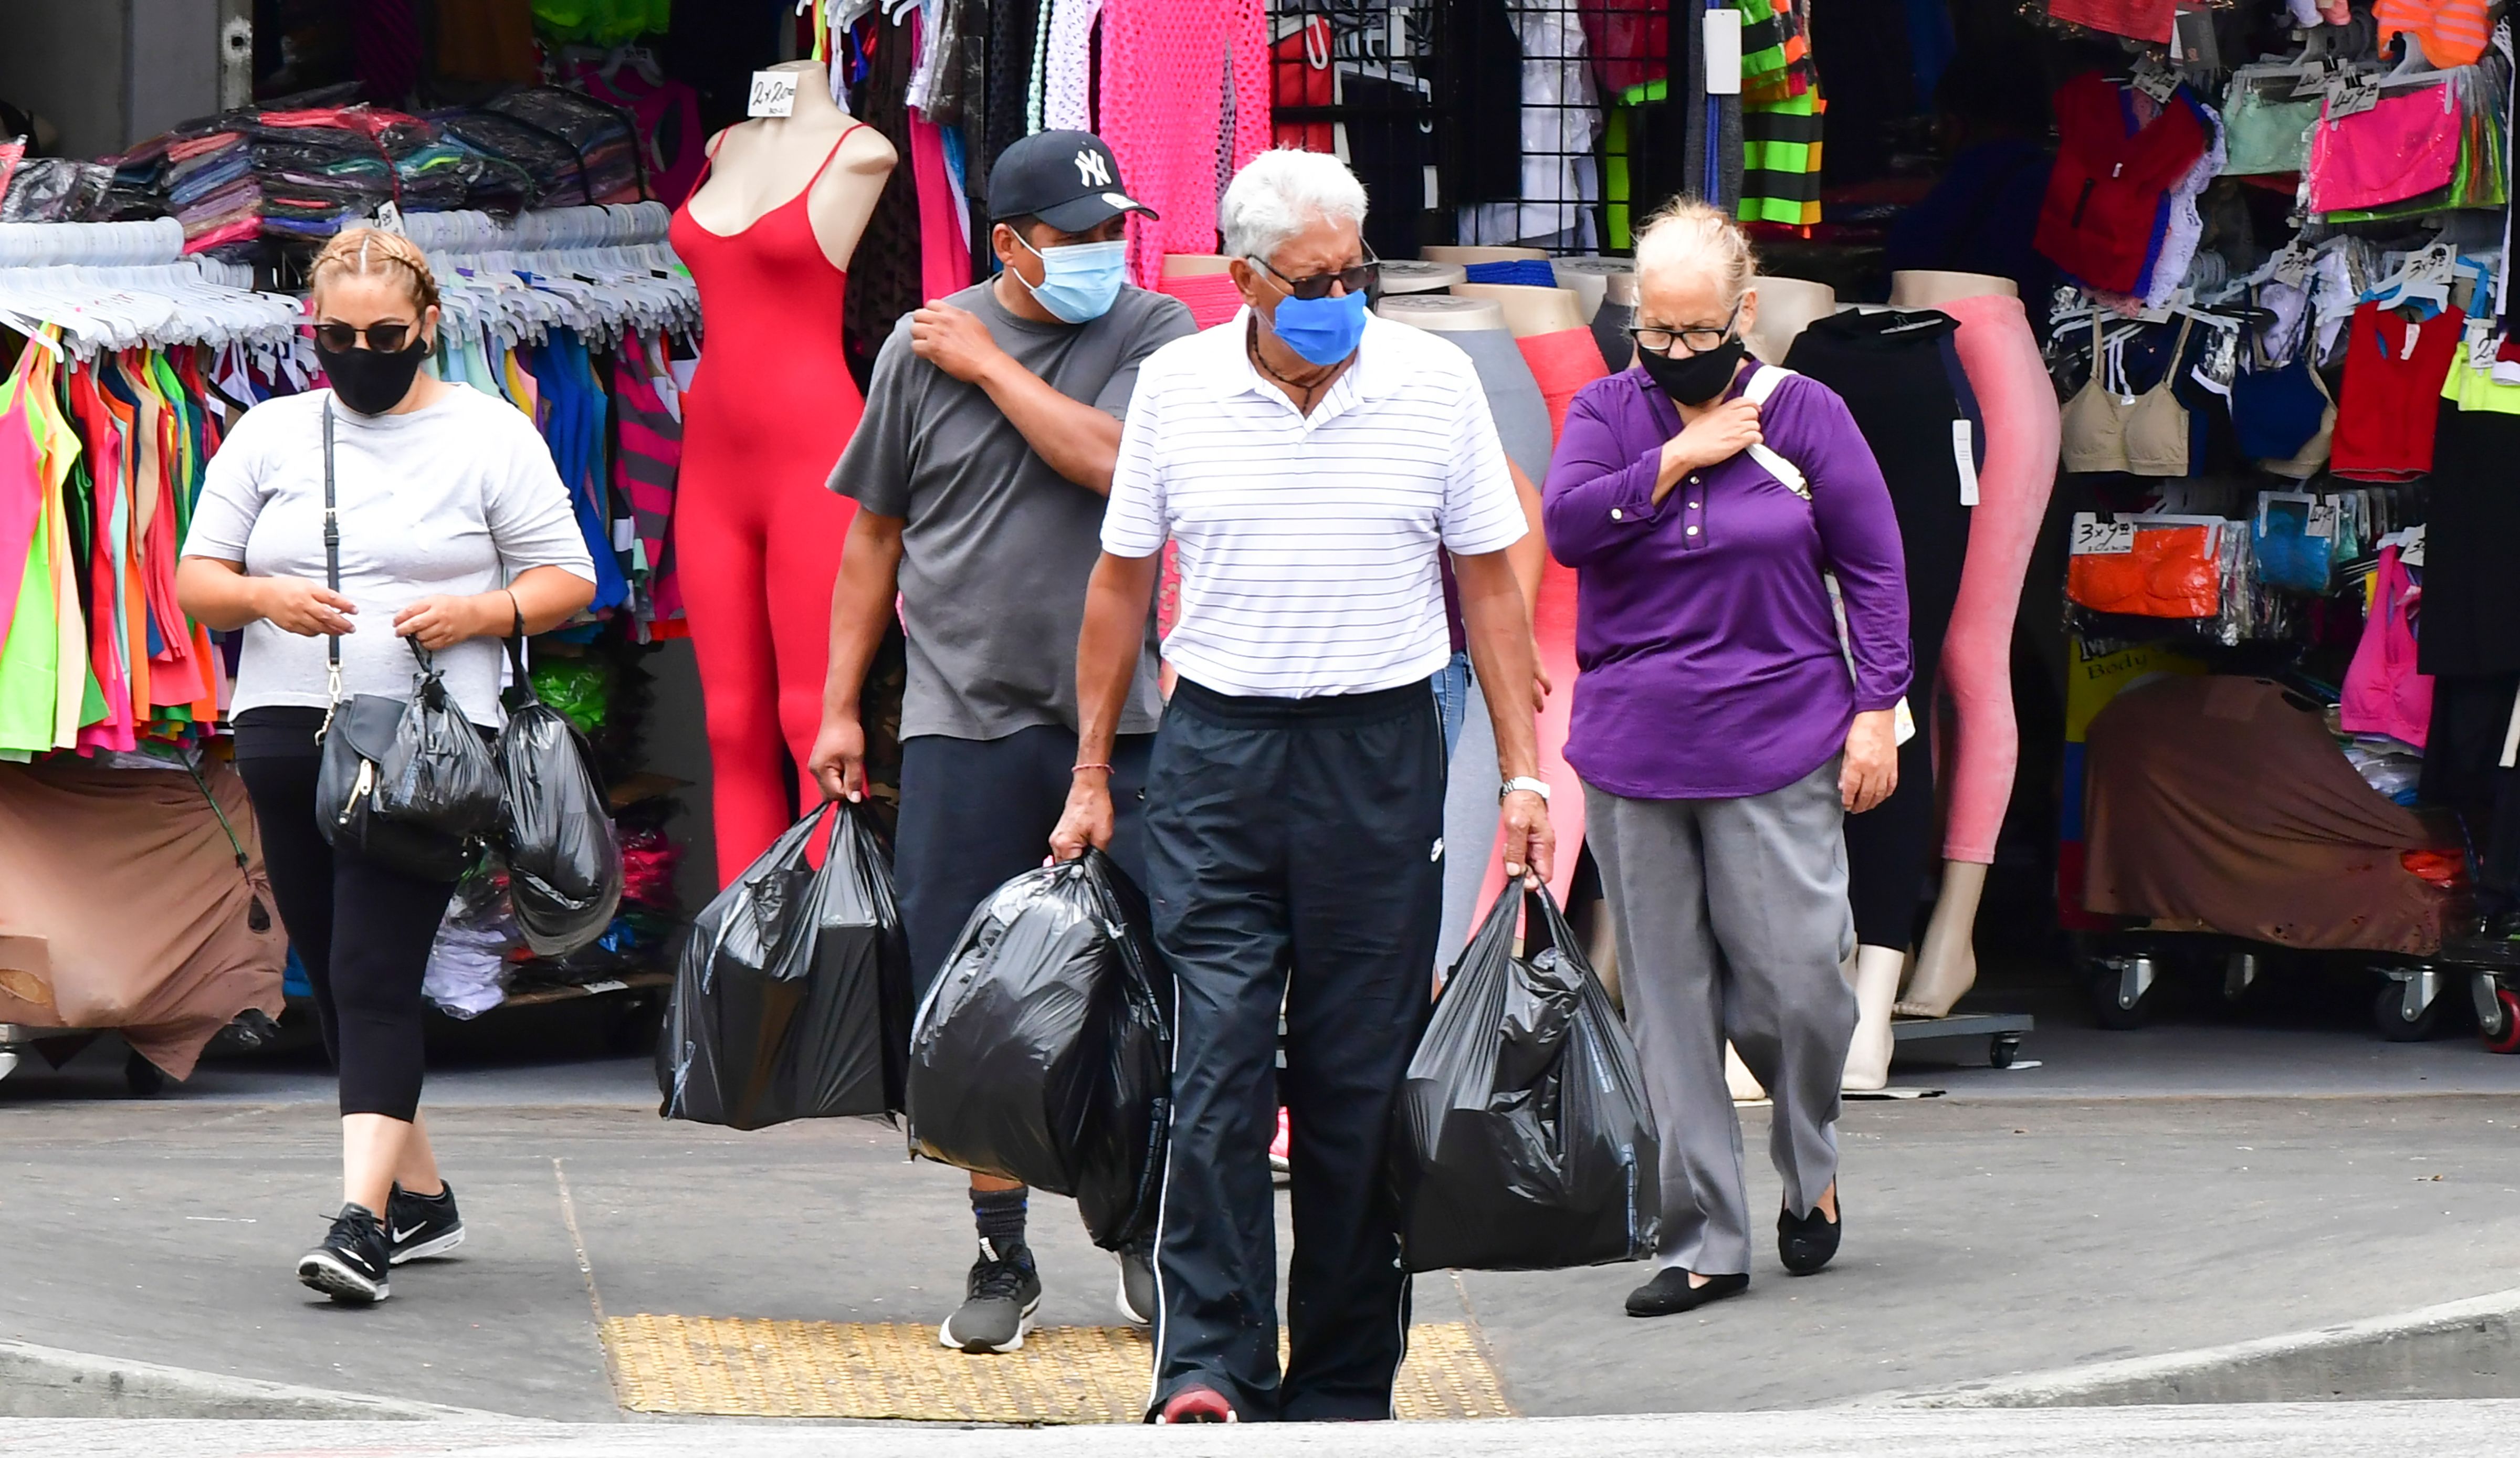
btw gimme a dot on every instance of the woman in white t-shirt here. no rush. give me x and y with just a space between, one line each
455 530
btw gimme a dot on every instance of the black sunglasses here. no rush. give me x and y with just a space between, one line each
385 339
1365 278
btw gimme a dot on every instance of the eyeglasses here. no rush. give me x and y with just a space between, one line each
1363 278
387 338
1655 340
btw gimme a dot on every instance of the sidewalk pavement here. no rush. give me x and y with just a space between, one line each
2349 1430
1987 1237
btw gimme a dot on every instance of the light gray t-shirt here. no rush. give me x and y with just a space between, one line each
996 546
457 498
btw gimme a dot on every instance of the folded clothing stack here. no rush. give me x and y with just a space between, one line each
570 149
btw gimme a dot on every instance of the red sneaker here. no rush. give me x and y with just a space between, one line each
1279 1162
1198 1405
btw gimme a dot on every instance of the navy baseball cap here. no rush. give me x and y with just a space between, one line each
1069 180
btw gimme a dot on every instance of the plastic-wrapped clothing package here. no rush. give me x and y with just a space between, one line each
563 861
1044 1051
1523 1139
791 997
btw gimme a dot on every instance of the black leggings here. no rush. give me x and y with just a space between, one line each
362 931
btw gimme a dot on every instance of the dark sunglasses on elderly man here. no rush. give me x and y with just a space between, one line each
1363 278
385 339
1657 341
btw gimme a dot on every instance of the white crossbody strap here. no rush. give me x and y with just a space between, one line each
1762 383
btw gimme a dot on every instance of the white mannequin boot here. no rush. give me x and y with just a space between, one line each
1875 974
1737 1079
1947 964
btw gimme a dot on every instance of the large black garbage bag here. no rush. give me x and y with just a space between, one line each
1524 1140
791 997
563 859
1044 1052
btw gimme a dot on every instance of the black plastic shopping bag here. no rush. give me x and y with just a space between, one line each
563 859
792 998
1524 1140
1044 1052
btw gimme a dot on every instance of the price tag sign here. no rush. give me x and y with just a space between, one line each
2358 95
389 217
2155 81
774 94
2315 78
2093 537
2291 268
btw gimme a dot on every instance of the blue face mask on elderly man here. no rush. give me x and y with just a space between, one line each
1322 331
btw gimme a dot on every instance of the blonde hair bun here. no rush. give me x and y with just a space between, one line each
374 250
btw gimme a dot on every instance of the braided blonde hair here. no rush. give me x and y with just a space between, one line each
374 250
1689 232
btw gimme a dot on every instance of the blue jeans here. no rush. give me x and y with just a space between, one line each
1452 684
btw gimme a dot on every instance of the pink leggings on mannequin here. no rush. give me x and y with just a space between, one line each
2019 408
757 564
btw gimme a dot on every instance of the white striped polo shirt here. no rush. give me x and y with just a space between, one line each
1309 544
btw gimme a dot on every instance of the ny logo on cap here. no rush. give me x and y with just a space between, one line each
1091 170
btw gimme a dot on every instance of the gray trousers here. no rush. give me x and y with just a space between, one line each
1470 786
1731 923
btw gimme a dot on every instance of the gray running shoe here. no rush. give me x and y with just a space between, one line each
1137 1299
1000 1298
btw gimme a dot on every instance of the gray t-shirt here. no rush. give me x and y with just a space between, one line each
996 546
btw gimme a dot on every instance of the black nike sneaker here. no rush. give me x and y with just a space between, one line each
418 1226
352 1265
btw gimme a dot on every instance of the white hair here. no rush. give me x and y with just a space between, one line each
1282 192
1687 235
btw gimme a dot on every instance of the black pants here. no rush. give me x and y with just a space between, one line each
975 813
1293 854
362 931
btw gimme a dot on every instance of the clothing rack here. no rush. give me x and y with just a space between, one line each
87 287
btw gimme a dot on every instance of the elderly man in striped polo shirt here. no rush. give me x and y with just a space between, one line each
1312 462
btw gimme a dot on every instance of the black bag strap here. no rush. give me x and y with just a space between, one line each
332 581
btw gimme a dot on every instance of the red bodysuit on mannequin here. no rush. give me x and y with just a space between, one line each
757 534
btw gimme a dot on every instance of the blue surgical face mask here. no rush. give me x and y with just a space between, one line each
1323 331
1079 280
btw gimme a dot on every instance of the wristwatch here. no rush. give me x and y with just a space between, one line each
1524 782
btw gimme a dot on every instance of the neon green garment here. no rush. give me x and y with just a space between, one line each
602 22
30 656
1781 160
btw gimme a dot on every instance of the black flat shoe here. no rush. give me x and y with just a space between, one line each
1669 1293
1806 1244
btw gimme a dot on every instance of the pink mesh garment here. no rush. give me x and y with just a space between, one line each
1211 297
1163 102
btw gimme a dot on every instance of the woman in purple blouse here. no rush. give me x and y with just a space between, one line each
1721 733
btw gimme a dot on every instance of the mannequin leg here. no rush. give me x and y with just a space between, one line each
2004 366
1947 964
806 532
1875 974
722 570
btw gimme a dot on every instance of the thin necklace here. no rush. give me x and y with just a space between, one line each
1251 344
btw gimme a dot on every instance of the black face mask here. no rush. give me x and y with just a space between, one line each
1694 378
368 382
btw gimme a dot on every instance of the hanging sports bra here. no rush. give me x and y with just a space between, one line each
2115 430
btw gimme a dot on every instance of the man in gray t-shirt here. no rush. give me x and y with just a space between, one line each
980 469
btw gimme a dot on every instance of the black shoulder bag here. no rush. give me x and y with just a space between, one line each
403 782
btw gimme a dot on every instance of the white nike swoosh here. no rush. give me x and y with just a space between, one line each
400 1235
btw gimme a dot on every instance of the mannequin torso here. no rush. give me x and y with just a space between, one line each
1528 311
760 165
1925 287
1786 307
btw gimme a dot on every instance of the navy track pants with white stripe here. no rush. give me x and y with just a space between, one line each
1294 852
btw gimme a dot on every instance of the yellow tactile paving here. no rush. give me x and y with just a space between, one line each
747 1367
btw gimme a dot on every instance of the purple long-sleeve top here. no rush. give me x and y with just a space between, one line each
1711 661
